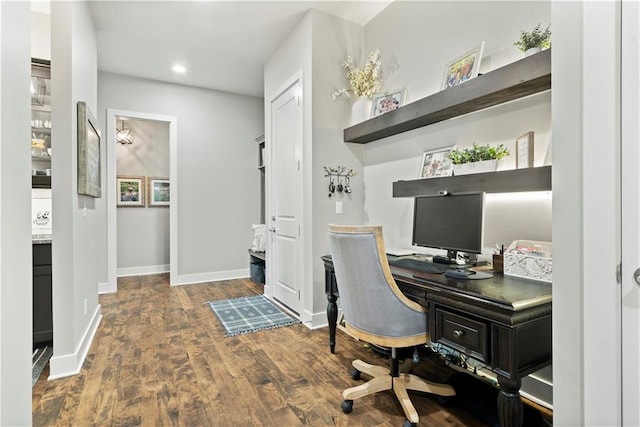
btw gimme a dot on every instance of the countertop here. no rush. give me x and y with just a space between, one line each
41 239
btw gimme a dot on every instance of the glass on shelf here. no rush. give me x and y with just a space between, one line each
38 90
39 145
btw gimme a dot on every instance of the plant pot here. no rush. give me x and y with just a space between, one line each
361 110
532 51
476 167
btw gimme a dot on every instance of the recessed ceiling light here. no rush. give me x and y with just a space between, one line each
179 68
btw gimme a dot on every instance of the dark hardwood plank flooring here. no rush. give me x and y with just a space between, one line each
160 358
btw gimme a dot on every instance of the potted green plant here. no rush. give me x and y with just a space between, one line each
534 40
477 158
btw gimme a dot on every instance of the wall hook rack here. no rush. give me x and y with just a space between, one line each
339 179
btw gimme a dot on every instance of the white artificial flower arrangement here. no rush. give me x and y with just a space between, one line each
364 81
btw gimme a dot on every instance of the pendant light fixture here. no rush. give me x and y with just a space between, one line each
124 135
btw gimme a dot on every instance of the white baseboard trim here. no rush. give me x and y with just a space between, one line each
268 291
142 271
188 279
104 288
71 364
318 320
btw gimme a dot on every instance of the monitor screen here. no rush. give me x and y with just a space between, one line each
452 222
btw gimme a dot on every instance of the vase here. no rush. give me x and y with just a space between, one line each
531 51
360 110
476 167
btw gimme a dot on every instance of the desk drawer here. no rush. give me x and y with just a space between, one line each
463 333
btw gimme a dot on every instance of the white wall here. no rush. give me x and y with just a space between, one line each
76 312
40 35
15 206
415 58
218 196
143 233
333 39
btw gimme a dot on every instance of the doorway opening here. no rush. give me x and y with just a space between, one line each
141 182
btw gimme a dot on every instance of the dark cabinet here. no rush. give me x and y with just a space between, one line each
42 300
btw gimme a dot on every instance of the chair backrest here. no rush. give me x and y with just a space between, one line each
371 300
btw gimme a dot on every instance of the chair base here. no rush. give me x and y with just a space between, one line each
382 380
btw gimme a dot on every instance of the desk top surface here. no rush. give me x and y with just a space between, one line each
511 293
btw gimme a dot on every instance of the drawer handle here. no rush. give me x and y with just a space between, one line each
458 333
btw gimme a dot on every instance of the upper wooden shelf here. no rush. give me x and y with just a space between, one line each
507 181
525 77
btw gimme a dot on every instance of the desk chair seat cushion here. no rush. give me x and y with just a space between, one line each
368 302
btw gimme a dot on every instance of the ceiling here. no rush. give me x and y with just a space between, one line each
223 44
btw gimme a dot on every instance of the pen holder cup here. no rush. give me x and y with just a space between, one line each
498 263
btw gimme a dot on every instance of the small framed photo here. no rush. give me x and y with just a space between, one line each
385 102
436 163
130 190
524 151
463 68
158 189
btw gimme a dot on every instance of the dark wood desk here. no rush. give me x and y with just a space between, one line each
504 322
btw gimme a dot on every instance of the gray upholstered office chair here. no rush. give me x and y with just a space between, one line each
376 311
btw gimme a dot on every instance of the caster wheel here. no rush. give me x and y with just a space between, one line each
347 406
355 374
444 401
406 423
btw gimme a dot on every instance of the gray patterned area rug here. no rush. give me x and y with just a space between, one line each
245 315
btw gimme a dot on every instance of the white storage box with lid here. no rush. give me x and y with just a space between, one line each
529 259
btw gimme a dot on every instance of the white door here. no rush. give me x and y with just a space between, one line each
630 292
284 256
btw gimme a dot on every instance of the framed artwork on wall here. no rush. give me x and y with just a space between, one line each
158 189
385 102
524 151
130 191
436 163
463 68
88 152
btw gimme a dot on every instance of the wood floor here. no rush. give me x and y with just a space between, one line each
160 358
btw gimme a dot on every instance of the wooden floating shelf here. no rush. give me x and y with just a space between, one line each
522 78
508 181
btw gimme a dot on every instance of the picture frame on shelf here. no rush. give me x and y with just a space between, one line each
435 163
88 152
388 101
524 150
130 191
158 192
463 68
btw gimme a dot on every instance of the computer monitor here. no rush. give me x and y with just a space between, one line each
450 222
